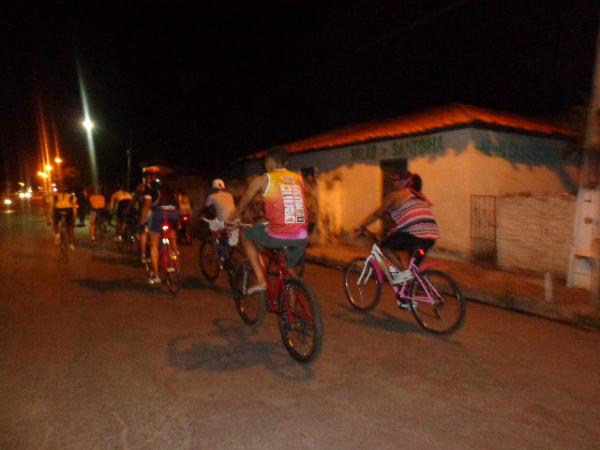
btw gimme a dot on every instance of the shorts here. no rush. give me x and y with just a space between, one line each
294 247
158 218
68 212
123 210
403 241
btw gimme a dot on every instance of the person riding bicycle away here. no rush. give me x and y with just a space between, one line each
164 211
149 199
120 202
284 210
97 203
64 202
220 204
415 226
184 203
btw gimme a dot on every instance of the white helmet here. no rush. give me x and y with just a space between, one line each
218 184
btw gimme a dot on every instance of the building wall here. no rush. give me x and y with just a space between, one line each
454 165
535 232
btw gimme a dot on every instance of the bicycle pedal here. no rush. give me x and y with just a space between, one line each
403 305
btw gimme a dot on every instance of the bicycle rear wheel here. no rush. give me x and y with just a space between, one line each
300 321
171 270
366 295
251 308
210 266
64 240
447 313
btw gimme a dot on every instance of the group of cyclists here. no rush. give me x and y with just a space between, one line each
284 224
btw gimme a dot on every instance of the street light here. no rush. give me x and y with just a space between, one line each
57 160
88 124
48 168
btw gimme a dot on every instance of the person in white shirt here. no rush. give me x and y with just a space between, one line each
224 205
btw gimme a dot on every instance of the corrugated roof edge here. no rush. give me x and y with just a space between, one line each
456 115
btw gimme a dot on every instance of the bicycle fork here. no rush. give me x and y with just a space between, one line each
366 273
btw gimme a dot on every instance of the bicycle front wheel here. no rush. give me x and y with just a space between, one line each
366 294
251 308
210 265
300 320
447 313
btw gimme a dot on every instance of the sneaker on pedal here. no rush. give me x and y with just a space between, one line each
256 289
403 304
153 279
401 277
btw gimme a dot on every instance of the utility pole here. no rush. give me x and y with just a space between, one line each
128 183
584 261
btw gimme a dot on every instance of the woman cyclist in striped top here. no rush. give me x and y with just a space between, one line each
415 227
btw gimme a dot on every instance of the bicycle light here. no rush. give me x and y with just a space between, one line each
165 227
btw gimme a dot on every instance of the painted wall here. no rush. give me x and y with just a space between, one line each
535 232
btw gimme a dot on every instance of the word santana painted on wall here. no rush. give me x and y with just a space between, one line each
402 148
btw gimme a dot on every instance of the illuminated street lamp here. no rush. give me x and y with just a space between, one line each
57 160
88 124
48 168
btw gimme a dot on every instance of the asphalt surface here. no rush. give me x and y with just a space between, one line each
93 358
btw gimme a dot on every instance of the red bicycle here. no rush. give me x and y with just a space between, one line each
169 264
291 299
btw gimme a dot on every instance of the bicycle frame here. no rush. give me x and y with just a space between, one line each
274 289
373 263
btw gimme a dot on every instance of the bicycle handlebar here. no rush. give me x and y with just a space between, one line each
369 234
230 223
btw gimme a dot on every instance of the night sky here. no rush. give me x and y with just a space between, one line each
197 84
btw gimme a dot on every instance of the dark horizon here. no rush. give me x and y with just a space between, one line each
198 86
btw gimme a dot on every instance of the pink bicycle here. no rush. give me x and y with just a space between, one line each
433 297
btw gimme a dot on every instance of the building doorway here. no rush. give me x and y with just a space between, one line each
483 228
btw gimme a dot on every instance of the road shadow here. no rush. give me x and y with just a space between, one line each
199 284
116 285
24 255
229 347
382 320
116 260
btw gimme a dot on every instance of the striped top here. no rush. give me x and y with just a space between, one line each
415 216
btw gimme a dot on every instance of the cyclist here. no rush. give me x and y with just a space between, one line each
284 210
164 210
64 201
97 203
415 226
148 199
220 204
121 200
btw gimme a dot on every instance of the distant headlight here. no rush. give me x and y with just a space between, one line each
7 201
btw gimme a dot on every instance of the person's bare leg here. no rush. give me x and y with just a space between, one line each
173 239
143 244
252 254
400 261
154 237
92 220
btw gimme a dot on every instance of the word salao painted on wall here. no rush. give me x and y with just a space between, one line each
400 149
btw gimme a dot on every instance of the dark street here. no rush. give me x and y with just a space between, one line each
95 358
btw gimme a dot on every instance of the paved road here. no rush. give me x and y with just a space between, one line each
92 358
